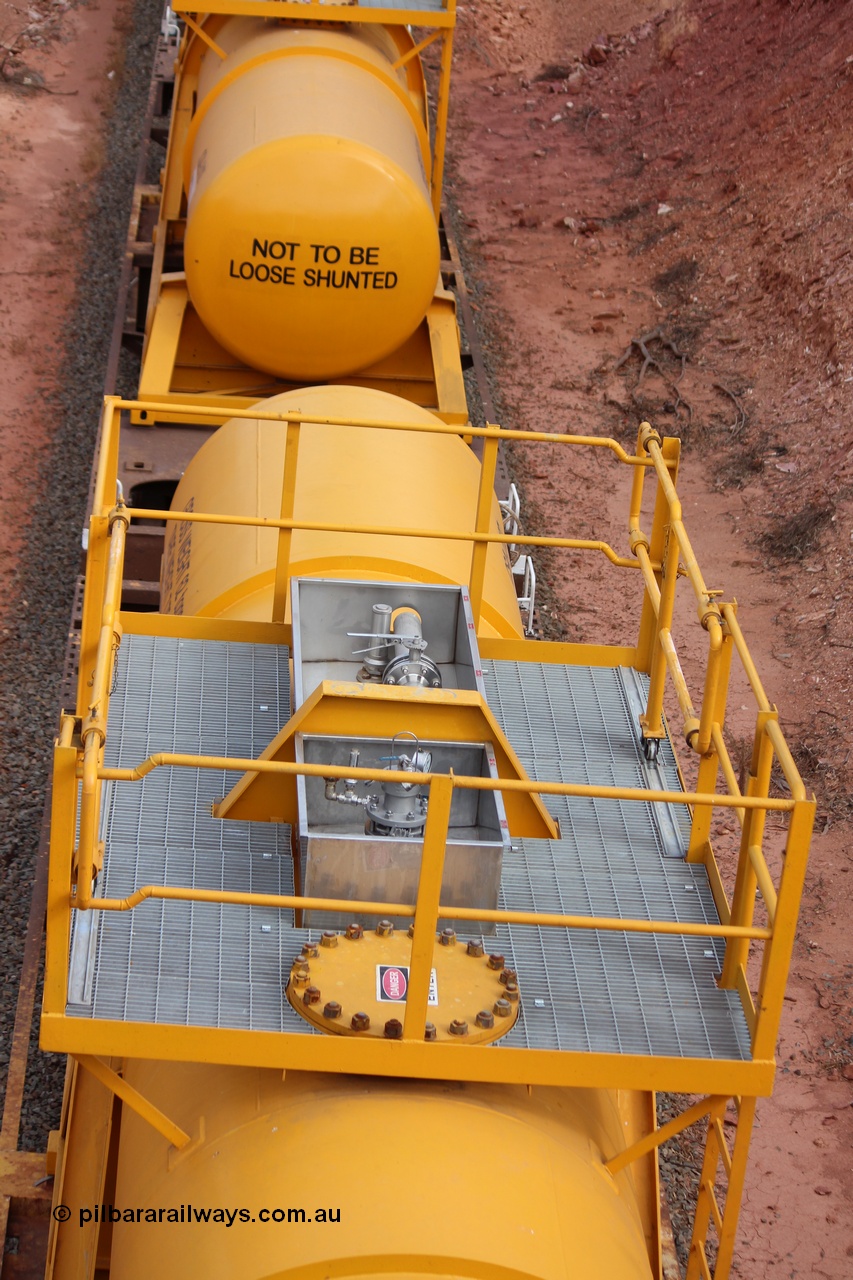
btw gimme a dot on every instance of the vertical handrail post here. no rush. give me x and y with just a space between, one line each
483 519
285 536
670 450
62 833
752 833
709 763
652 720
777 952
93 731
427 904
97 549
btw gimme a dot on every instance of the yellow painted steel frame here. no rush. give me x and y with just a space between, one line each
183 379
79 756
177 369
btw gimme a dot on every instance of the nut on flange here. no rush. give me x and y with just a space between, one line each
329 938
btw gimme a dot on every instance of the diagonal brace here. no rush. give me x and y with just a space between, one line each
134 1099
664 1133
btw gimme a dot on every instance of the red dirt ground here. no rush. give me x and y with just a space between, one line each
620 170
53 98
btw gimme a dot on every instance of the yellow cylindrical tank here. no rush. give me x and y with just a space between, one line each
311 245
347 476
413 1177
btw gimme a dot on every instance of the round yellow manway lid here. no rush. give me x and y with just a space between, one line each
355 984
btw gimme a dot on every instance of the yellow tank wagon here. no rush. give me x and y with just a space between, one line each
311 245
350 479
373 925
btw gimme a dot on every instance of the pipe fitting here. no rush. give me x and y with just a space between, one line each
637 539
647 435
119 514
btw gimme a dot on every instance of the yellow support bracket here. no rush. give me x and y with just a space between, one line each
201 33
343 709
416 50
663 1134
134 1099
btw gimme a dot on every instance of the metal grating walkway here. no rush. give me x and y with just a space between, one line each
196 964
587 990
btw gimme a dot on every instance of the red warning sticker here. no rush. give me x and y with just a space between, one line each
392 983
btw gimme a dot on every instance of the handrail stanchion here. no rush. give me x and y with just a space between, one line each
647 637
777 952
285 537
652 720
97 549
427 905
482 522
743 898
702 745
94 726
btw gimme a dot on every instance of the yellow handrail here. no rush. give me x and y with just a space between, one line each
661 556
643 795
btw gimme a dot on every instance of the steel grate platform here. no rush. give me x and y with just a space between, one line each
589 990
196 964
